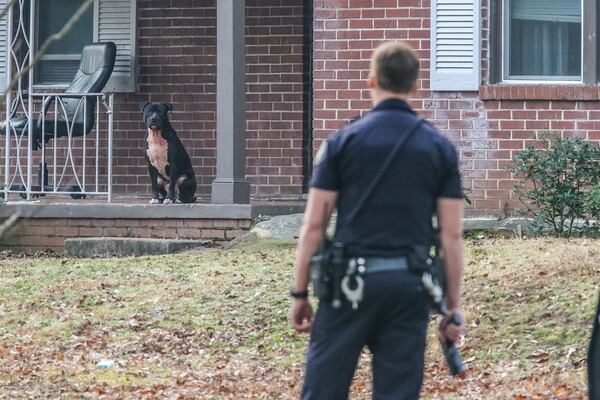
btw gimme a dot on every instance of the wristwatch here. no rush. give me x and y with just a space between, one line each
299 295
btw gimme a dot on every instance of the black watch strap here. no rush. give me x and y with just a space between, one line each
299 295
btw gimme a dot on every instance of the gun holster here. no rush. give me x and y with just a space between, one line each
427 259
327 269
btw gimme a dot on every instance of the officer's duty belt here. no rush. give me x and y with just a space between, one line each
380 264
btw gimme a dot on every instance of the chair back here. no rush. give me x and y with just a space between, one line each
95 68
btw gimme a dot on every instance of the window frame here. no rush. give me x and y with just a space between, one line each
590 68
61 56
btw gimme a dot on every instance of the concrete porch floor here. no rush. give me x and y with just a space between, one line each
129 208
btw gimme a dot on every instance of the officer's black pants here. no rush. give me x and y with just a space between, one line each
391 320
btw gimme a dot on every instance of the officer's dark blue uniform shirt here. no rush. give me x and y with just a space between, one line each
399 212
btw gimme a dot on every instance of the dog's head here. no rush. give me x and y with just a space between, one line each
156 114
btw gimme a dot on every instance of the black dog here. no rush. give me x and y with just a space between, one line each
169 165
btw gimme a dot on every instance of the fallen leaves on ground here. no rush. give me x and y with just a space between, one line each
213 324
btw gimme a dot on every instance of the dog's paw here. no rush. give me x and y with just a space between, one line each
168 201
154 201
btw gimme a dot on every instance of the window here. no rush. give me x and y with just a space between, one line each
59 64
107 20
543 40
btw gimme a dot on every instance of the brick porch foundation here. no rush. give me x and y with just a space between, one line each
44 226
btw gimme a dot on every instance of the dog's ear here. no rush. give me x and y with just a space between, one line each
143 105
169 106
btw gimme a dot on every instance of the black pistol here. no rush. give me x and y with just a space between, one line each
453 358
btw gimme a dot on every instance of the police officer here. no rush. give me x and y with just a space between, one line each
423 179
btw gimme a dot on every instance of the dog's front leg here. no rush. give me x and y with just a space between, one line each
154 181
172 195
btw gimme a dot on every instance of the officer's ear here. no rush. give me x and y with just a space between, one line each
414 90
372 81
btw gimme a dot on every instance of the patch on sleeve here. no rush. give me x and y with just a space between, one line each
321 153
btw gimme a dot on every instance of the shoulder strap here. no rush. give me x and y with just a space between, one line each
383 169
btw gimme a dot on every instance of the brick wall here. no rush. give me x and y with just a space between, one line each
177 60
346 32
38 233
488 127
274 48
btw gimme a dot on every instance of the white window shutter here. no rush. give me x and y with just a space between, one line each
3 51
455 45
116 22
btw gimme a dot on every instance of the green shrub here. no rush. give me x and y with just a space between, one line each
593 202
559 185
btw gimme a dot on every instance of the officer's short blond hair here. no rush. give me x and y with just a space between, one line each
395 66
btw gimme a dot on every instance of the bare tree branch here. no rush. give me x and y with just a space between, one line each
9 223
7 8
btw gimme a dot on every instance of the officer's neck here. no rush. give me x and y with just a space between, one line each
381 95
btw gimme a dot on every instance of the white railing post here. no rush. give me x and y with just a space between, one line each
8 99
29 112
110 145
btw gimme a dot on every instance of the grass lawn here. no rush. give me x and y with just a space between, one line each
214 325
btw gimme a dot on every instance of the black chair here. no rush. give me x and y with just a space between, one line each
95 68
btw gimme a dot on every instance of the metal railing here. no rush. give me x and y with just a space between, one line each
72 147
81 158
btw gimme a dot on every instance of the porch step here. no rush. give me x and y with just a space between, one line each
101 247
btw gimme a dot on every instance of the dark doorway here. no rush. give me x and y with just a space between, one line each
307 118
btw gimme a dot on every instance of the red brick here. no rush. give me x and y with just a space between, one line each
42 241
491 204
551 115
501 114
562 124
497 194
524 114
506 184
116 232
575 115
495 174
508 124
562 105
537 124
245 223
90 232
213 234
225 223
485 184
163 233
511 144
189 233
67 231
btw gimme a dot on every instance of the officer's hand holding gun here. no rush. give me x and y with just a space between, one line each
451 328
